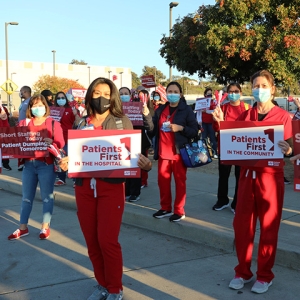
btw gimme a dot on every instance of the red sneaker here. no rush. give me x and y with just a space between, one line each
18 233
44 233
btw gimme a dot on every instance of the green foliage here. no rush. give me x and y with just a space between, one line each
77 62
55 84
233 39
135 80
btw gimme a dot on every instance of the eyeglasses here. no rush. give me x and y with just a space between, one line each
234 92
58 98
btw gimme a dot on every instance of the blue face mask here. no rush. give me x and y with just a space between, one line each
234 97
173 98
156 98
38 111
61 102
261 95
125 98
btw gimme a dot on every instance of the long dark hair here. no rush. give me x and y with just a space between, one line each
115 101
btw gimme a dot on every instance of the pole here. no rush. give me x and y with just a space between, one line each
155 78
6 58
121 78
53 62
170 36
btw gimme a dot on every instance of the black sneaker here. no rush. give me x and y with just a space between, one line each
176 218
219 206
286 181
162 213
133 198
20 168
6 167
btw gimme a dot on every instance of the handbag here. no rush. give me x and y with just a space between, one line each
195 154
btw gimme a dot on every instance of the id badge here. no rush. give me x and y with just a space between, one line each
166 126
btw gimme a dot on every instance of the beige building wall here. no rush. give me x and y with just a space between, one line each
27 73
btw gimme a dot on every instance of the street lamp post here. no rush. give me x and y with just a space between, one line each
172 4
53 51
89 75
6 52
109 74
155 76
121 78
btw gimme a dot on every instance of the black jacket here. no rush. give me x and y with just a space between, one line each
183 116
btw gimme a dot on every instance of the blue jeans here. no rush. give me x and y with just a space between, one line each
208 131
35 172
62 175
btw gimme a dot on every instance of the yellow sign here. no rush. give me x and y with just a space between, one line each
9 87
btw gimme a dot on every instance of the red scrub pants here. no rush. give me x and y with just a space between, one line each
165 169
100 221
260 195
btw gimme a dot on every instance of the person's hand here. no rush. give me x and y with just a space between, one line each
63 163
145 110
3 115
297 102
285 147
218 114
176 128
74 110
294 158
48 141
144 163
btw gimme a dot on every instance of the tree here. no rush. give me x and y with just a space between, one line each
55 84
135 80
158 75
233 39
77 62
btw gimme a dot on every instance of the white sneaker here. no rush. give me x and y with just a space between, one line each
260 287
237 283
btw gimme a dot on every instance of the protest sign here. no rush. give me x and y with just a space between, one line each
23 142
251 143
202 103
296 141
133 110
148 81
104 153
56 113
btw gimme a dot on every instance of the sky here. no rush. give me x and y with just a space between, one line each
116 33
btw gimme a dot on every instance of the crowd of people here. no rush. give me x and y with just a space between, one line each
166 127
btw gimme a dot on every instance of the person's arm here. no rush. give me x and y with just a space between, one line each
294 158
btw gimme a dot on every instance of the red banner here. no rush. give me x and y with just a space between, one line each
296 140
22 142
133 110
148 81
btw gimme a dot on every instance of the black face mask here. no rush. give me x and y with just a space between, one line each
100 104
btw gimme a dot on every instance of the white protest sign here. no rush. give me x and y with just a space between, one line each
202 103
251 143
104 153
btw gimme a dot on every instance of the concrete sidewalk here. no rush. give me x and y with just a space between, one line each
201 225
